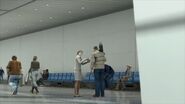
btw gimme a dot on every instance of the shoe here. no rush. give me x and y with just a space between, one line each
95 96
14 93
32 90
77 96
37 91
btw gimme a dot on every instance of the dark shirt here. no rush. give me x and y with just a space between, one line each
109 72
1 71
45 76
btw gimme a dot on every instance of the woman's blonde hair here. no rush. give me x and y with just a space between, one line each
79 52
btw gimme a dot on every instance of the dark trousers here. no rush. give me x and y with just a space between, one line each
1 77
99 82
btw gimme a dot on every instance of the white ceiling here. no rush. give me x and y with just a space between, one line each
19 17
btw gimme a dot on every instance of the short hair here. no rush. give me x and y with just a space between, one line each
95 48
14 57
79 52
130 66
34 58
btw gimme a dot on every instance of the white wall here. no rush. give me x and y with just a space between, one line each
56 47
160 29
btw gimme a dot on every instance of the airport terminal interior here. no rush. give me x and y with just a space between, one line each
92 51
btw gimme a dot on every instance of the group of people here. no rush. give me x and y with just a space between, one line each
102 72
97 66
15 74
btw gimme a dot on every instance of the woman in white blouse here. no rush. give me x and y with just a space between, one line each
77 72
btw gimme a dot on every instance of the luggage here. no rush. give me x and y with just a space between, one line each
21 81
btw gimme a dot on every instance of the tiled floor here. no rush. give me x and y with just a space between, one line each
56 95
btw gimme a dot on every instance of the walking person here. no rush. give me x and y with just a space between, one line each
77 72
98 65
14 69
34 72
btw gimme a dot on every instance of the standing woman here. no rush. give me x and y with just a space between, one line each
77 72
98 65
34 70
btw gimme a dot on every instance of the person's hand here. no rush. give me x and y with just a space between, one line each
88 60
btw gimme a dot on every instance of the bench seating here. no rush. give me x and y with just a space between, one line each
89 78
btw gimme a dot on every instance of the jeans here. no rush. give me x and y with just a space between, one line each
14 82
35 78
1 77
99 82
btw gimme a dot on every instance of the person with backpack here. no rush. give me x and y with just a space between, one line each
34 72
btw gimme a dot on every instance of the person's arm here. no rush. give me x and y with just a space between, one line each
8 67
20 66
39 65
47 75
92 62
79 60
105 59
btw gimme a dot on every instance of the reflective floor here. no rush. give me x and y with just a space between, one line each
59 95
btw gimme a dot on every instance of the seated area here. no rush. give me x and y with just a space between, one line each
63 79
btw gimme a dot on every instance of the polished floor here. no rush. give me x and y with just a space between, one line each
59 95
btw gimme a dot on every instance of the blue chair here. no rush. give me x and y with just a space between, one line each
51 76
136 77
72 76
87 77
116 77
122 74
60 75
91 78
64 76
68 77
130 80
55 77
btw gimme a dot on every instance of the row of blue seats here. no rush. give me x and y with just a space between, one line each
89 77
61 77
117 75
134 78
